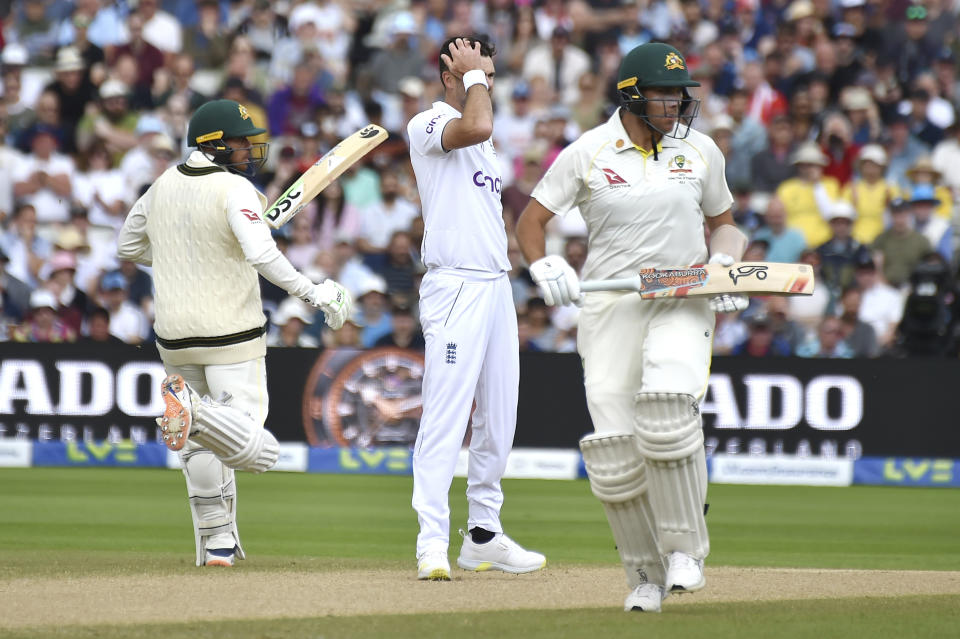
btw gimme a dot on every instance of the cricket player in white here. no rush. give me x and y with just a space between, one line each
468 318
645 183
200 227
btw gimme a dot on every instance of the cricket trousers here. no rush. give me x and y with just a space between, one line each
472 355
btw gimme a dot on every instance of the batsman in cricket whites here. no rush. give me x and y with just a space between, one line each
645 183
200 228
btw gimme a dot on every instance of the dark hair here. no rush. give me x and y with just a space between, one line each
487 49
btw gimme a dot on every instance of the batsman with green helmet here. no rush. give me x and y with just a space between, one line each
645 183
199 227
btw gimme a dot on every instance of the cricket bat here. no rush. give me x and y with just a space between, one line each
707 280
322 173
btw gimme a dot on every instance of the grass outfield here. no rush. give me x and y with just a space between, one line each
66 524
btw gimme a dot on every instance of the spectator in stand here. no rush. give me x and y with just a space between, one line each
737 166
542 332
289 321
513 127
74 91
840 254
881 305
334 219
207 42
263 29
399 270
938 231
903 150
560 62
745 207
75 31
138 166
808 310
749 135
149 58
139 285
836 141
42 325
870 193
72 303
900 246
9 159
46 115
160 29
861 110
761 340
764 102
43 178
302 251
18 101
380 220
918 119
923 174
111 121
14 296
401 57
95 252
785 244
785 329
809 195
859 336
373 304
946 159
349 335
98 329
405 331
771 166
828 341
176 81
296 103
35 31
127 322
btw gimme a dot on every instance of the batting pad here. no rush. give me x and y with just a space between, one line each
618 479
213 499
234 437
670 438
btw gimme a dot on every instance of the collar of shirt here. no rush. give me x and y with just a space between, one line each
198 160
621 140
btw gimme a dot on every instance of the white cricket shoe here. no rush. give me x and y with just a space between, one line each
684 573
500 553
645 598
178 414
434 566
219 557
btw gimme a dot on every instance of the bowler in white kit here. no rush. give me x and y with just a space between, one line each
469 320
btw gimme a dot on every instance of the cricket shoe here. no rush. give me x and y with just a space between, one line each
178 414
219 557
645 598
433 565
500 553
684 573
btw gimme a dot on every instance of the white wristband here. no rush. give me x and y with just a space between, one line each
474 76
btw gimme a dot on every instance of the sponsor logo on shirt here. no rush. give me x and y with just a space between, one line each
613 179
487 181
250 215
432 123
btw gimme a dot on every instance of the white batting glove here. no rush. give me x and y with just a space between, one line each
334 300
557 281
726 303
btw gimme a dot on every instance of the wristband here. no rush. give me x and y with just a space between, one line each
474 76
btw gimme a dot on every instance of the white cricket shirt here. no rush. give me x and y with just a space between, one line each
460 195
639 212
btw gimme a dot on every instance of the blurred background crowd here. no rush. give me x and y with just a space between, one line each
838 120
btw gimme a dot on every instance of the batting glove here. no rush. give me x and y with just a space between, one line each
726 303
557 281
334 300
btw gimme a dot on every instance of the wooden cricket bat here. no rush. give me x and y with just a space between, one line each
707 280
322 173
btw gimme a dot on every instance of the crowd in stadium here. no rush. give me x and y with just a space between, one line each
838 120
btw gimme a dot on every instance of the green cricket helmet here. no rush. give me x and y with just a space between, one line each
219 120
657 65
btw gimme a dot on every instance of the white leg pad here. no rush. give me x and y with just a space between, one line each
234 437
670 438
618 479
213 501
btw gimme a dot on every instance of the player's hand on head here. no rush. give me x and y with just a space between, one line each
334 300
462 57
557 281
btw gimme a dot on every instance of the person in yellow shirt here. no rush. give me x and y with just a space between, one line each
923 172
809 195
870 193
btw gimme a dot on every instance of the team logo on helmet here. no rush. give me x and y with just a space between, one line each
243 112
674 62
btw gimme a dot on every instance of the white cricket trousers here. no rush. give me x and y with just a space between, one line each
472 355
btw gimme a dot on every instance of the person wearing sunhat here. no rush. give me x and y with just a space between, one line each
113 121
73 87
869 192
901 246
289 321
43 326
922 173
809 195
938 231
72 303
841 253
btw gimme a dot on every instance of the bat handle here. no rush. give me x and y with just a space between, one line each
620 284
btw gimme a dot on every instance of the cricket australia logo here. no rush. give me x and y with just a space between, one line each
243 112
746 271
451 353
679 164
674 62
